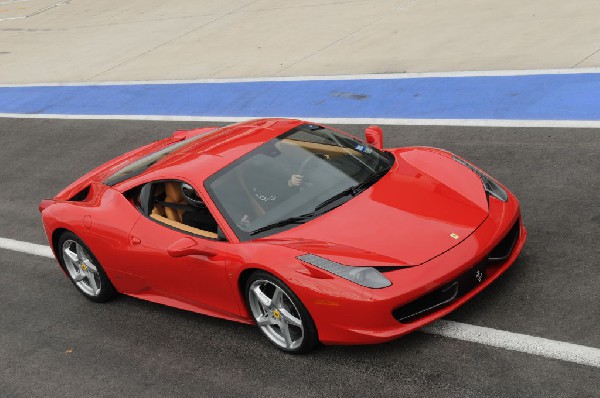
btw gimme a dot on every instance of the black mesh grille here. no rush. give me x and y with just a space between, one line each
504 248
441 296
463 284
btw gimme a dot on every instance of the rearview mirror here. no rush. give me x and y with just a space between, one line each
374 136
188 247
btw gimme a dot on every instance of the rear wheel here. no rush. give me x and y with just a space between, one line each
83 268
279 314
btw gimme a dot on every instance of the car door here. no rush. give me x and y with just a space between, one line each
178 265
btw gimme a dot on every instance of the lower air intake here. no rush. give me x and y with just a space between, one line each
503 249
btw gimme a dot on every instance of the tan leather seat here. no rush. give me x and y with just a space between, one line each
159 190
174 195
183 227
171 216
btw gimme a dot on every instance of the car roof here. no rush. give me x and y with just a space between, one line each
209 154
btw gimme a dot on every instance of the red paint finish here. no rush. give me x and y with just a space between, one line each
429 214
409 214
198 279
374 136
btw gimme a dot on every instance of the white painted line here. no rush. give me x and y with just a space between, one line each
382 121
14 1
516 342
461 331
34 12
26 247
10 19
376 76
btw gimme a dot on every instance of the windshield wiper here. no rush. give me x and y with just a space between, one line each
345 192
372 179
301 219
355 189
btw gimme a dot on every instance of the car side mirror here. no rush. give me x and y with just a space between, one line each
188 247
374 136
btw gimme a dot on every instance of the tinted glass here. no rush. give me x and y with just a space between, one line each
290 176
141 165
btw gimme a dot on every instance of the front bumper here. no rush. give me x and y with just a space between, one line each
383 316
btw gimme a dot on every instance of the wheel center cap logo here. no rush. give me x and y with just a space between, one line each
276 314
84 267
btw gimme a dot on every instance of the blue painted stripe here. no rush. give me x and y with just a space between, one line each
529 97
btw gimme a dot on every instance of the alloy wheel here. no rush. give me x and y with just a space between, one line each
81 268
276 314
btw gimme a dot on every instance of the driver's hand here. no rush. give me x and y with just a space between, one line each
295 180
245 221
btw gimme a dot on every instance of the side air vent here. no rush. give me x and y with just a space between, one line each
81 195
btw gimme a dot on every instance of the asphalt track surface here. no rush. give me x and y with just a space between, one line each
54 342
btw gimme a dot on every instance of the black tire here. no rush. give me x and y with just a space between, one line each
310 334
107 290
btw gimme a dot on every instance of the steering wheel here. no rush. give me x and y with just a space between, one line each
303 166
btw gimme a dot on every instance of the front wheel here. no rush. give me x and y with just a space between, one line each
279 314
83 268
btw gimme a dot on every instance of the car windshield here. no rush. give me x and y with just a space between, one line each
294 178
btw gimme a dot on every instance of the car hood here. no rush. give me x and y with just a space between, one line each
425 205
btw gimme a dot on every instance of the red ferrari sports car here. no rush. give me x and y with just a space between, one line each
307 232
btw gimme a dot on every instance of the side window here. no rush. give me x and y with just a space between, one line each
176 204
134 196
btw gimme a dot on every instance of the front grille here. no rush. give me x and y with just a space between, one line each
442 296
506 245
426 304
466 282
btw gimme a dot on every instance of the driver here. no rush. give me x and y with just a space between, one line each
269 185
268 180
271 192
200 216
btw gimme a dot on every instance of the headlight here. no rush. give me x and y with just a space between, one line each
490 186
364 276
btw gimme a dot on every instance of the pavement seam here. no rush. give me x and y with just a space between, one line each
586 58
173 39
333 43
34 13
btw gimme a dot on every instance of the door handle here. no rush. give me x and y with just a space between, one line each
135 240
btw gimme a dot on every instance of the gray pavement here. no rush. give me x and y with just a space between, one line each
53 342
81 40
